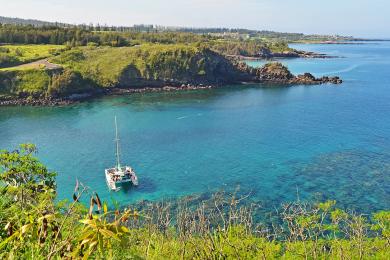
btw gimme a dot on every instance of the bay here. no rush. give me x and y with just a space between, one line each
315 142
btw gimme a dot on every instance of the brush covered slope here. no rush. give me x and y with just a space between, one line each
147 65
41 86
94 69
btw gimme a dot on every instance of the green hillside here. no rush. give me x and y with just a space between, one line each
84 68
129 66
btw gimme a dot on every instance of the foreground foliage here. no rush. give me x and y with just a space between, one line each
35 226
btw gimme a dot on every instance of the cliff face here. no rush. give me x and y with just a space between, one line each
220 70
203 67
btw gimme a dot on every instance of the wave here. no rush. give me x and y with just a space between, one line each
348 69
184 117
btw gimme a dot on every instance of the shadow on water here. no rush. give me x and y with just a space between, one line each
148 186
158 100
139 102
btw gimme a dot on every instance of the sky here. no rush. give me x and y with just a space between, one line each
360 18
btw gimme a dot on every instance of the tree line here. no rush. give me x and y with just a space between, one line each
20 34
84 35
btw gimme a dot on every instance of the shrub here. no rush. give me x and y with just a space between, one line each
64 83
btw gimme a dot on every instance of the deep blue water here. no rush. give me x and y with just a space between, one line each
323 142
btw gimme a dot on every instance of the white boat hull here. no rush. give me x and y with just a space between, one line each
119 175
116 177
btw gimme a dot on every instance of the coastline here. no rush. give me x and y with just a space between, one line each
115 91
69 87
305 79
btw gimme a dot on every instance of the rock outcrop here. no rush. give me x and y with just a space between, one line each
309 79
273 72
277 73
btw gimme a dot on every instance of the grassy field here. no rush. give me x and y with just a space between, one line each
12 55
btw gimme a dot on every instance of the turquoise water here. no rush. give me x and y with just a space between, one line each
318 141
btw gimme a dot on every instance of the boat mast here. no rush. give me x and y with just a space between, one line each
118 164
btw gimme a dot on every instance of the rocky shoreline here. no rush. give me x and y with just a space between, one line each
276 79
222 73
168 88
20 101
48 102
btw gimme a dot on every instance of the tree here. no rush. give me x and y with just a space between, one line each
20 169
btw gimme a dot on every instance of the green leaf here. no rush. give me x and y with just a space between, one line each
8 239
105 207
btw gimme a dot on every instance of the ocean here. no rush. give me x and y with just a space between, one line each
276 144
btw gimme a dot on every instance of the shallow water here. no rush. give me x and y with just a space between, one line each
323 142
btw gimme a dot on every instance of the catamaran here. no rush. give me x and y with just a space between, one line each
119 174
